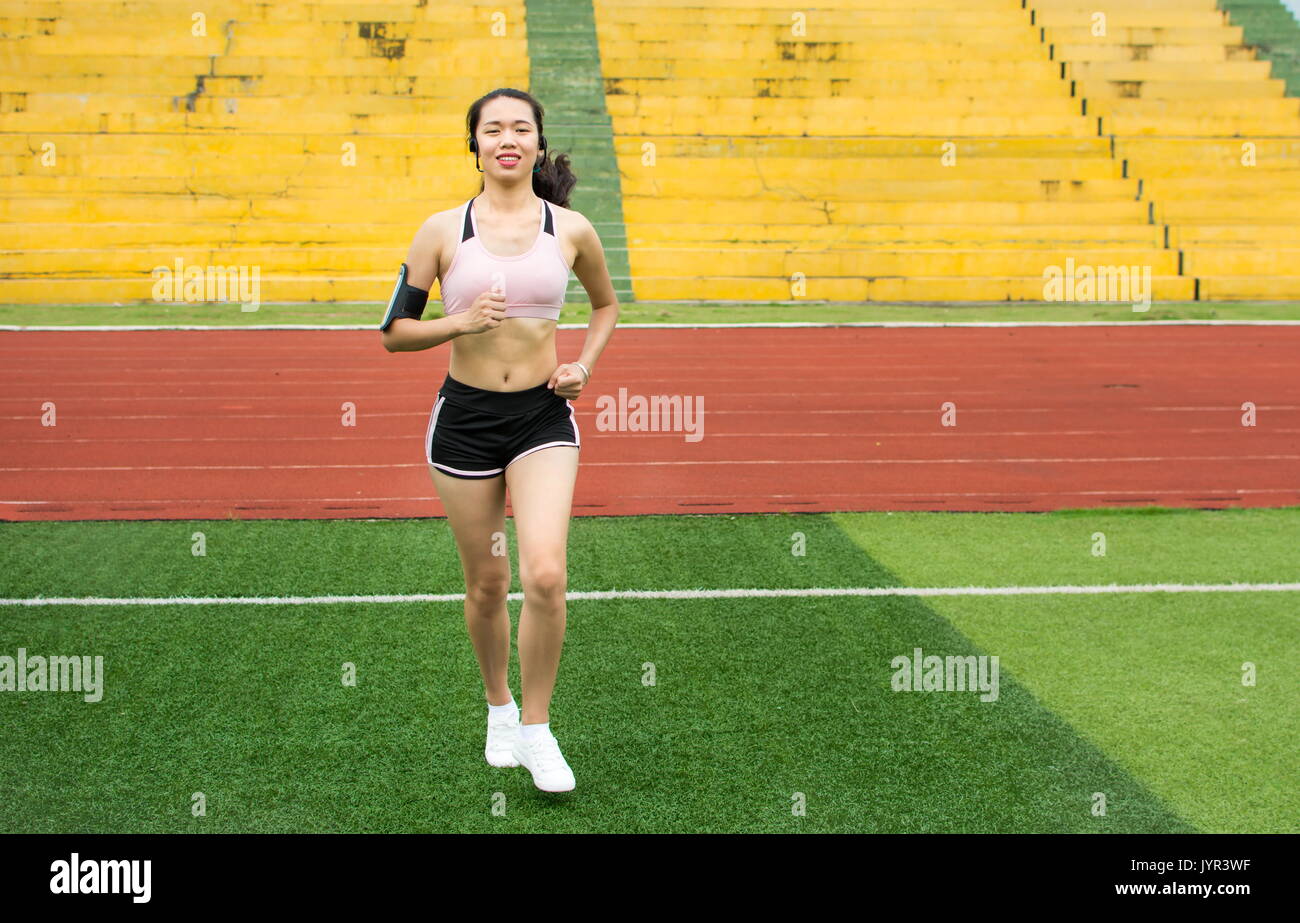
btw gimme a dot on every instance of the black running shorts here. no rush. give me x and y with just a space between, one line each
475 433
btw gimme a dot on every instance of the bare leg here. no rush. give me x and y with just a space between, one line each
476 510
541 496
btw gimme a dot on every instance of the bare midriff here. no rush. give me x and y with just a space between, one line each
517 355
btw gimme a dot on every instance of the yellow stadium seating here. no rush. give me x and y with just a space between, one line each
858 150
288 137
772 153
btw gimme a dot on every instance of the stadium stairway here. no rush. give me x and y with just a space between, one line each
1196 117
566 79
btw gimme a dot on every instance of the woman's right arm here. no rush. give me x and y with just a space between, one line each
406 334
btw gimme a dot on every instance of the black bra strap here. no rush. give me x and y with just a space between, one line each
468 231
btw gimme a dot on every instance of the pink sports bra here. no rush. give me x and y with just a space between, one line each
534 282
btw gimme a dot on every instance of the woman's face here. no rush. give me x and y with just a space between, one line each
505 129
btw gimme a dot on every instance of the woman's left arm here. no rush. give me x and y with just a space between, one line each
590 268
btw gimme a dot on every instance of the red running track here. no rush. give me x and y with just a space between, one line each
250 423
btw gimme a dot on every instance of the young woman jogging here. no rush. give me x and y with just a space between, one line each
503 418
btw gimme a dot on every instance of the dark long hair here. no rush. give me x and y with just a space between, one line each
554 181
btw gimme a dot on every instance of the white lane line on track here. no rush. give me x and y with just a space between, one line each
737 461
719 498
860 434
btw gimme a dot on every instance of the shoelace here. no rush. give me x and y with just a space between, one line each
546 752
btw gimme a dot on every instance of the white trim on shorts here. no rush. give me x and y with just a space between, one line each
493 471
428 446
433 422
428 433
577 440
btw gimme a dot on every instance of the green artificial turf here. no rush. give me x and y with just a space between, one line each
1154 680
755 704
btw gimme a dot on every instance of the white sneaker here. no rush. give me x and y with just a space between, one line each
542 757
501 736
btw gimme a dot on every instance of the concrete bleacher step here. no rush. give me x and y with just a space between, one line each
661 209
1263 185
1162 112
1097 90
221 235
1027 148
1208 154
1238 261
1127 17
1248 234
814 88
832 188
1138 71
1142 35
1282 209
830 263
1210 126
217 121
1248 288
911 289
1199 52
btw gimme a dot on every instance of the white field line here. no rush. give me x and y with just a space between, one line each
666 594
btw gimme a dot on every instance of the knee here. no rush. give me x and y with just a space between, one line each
546 581
486 591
